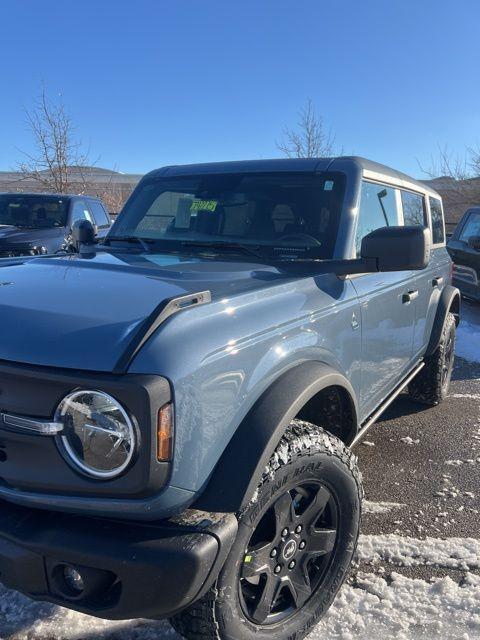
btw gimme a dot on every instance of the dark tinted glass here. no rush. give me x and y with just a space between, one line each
438 234
413 209
290 213
378 208
99 213
80 211
471 228
39 212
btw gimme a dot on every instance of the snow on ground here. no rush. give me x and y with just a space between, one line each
388 606
459 553
468 341
404 609
380 507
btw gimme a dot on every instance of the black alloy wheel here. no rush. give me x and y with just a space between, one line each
288 553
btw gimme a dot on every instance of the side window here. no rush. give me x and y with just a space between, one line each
80 212
101 217
378 208
471 227
436 211
413 209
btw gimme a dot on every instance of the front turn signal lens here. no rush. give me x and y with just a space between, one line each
165 433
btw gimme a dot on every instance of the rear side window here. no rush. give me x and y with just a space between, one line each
471 227
436 211
413 209
99 213
378 208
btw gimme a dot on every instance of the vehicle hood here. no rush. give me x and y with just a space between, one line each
82 312
10 235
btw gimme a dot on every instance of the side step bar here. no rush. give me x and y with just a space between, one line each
374 417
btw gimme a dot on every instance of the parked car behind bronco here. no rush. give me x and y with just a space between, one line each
39 223
464 248
179 403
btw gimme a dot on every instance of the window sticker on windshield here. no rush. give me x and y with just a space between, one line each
204 205
328 185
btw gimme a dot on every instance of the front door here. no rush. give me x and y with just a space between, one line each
387 305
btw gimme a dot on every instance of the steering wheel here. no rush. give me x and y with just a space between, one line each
305 237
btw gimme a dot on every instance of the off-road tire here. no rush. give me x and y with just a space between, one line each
305 453
431 385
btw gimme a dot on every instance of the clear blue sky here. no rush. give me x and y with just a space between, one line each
150 82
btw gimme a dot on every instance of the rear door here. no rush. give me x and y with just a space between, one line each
387 314
430 281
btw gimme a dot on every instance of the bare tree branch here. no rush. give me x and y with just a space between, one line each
57 163
447 164
455 178
309 139
474 160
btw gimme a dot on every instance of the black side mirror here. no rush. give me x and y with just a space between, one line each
385 249
397 248
83 233
474 243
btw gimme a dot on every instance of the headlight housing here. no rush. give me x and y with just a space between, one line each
98 435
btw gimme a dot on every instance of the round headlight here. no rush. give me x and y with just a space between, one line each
98 436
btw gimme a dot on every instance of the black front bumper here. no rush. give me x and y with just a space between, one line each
129 570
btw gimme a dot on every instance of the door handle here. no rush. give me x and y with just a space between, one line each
408 297
437 282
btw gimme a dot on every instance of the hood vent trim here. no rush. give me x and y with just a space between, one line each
159 315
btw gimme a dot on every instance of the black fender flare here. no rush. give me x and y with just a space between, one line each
240 468
450 300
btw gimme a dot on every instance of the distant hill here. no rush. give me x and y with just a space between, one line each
457 195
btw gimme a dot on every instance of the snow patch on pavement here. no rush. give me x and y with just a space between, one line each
457 553
404 609
470 396
468 341
380 507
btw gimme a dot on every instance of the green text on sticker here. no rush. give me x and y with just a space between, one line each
203 205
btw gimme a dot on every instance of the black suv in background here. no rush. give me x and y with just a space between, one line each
464 249
37 224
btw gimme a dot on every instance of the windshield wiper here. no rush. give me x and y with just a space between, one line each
229 246
133 239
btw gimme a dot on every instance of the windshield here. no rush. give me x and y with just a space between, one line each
38 212
287 215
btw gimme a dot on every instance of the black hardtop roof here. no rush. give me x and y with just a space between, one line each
291 165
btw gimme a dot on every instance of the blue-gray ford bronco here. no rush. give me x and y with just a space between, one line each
178 404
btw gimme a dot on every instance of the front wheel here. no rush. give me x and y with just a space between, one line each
294 547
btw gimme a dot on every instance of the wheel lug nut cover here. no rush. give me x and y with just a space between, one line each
285 532
277 569
292 564
302 544
273 553
298 529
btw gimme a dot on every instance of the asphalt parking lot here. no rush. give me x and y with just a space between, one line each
426 462
418 572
